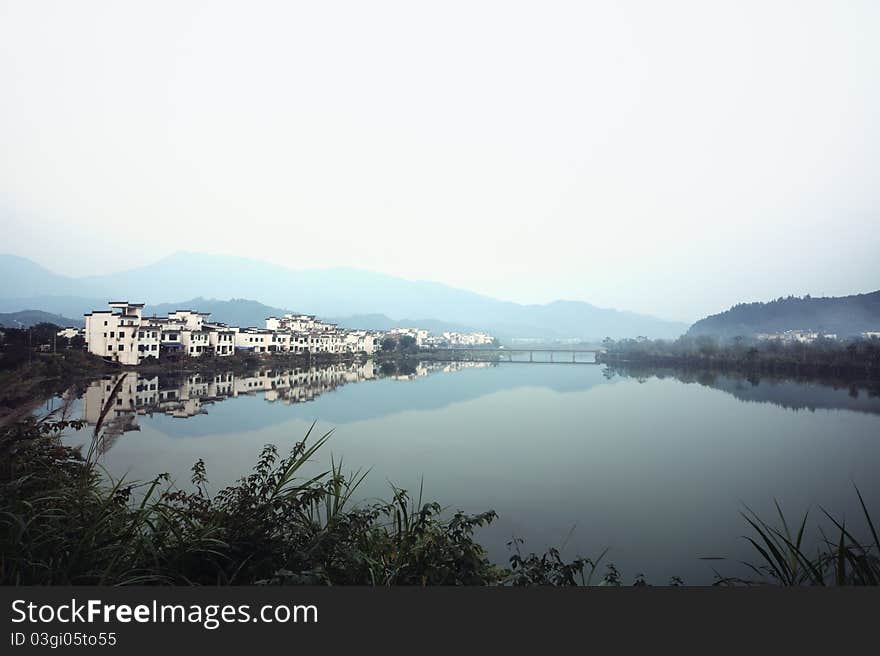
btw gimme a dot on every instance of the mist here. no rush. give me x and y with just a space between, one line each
668 159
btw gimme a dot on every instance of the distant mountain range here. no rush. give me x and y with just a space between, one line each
381 322
235 312
244 312
348 294
843 315
28 318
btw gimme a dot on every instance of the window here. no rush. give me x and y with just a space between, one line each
121 334
122 347
111 333
141 335
105 323
109 347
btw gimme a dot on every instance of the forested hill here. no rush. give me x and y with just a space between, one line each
844 315
28 318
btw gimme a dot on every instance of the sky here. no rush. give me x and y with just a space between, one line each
669 158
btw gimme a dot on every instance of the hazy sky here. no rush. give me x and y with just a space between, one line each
664 157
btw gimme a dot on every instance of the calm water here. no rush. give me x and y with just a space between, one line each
656 469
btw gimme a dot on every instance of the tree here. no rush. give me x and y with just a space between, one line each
44 333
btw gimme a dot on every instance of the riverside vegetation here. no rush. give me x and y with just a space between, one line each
63 521
858 358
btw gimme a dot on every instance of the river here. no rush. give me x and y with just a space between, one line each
655 468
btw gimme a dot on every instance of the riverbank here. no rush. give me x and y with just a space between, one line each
853 360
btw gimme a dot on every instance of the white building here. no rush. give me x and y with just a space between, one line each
70 333
221 339
360 341
800 336
418 334
195 343
467 339
253 339
114 333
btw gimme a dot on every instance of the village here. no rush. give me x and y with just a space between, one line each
808 336
122 334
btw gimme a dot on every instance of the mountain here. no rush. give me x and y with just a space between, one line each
236 312
28 318
338 292
21 277
382 322
843 315
69 306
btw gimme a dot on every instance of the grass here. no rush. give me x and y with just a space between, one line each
63 521
839 559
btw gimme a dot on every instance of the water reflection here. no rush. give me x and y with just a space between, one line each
792 393
183 396
653 464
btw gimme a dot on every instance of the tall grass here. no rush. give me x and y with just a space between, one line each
838 559
62 521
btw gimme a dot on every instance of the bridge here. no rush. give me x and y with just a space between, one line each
525 354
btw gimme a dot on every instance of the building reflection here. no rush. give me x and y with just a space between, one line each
187 395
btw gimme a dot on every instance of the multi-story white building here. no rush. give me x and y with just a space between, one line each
189 319
195 343
360 341
116 333
253 339
221 339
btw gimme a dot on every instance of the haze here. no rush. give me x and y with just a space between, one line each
668 158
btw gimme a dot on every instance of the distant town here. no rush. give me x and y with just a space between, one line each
122 334
807 336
